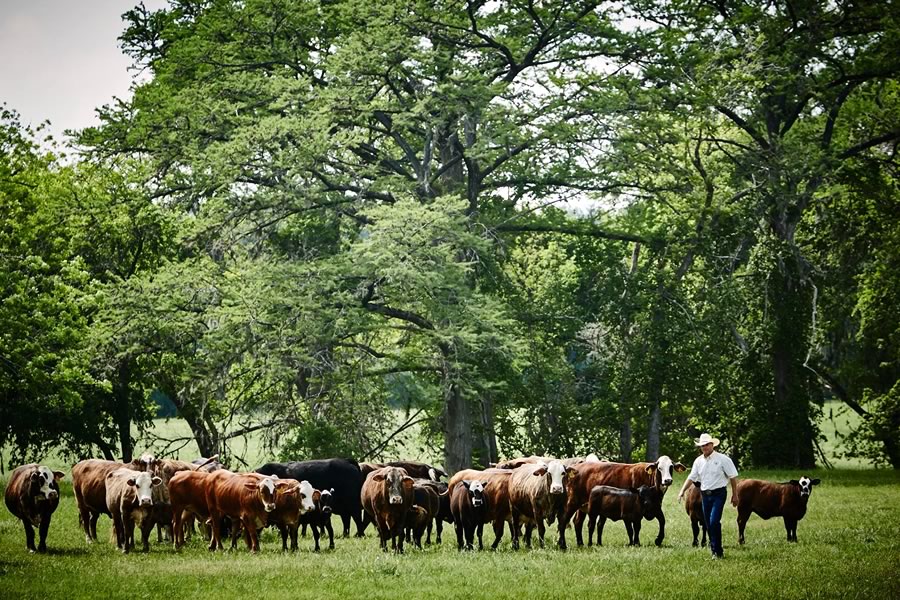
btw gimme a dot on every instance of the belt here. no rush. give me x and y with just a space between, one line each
712 492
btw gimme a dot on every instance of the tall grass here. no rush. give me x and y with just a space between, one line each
849 547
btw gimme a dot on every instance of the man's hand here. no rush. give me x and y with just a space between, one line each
680 496
734 500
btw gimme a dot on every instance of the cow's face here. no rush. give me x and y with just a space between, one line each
266 490
143 485
395 480
663 470
806 485
40 481
476 492
650 499
146 462
305 494
326 502
556 476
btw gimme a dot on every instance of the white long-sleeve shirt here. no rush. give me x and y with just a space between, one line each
713 472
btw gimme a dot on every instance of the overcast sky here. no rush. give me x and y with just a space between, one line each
61 59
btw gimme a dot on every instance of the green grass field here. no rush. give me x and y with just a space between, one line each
849 547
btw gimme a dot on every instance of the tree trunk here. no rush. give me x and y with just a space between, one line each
653 430
488 451
625 436
457 423
122 395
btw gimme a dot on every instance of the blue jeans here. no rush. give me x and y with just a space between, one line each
713 505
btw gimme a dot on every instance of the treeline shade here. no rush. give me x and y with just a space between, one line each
311 213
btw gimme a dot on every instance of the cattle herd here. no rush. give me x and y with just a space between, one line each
404 500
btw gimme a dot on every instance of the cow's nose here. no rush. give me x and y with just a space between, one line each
396 500
53 494
667 482
556 489
269 506
327 510
146 502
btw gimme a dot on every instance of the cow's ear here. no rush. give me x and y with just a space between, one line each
331 490
679 468
815 482
57 475
466 483
407 480
131 482
651 468
378 477
317 495
156 481
540 472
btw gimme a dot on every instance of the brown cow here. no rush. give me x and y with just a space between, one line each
32 495
538 492
443 515
387 495
496 494
515 463
293 500
628 476
693 506
247 498
129 500
768 500
427 504
470 513
187 495
89 485
628 505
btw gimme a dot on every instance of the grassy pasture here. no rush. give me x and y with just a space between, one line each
848 548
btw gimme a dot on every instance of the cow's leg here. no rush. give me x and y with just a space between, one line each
439 528
177 528
662 528
695 529
579 522
637 532
703 527
93 525
383 532
539 518
128 526
480 531
514 528
498 532
29 536
294 530
330 533
459 535
428 530
146 529
42 532
743 516
400 540
303 530
592 523
791 527
629 531
600 526
254 537
215 522
316 534
362 521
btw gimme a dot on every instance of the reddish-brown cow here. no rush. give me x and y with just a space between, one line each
591 474
32 495
693 506
767 499
187 495
387 495
496 494
247 498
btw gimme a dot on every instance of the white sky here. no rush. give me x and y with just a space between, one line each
60 59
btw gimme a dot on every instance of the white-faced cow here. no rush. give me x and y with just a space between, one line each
538 493
767 499
32 495
129 499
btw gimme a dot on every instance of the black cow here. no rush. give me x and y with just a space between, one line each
338 474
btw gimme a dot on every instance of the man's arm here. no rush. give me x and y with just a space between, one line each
734 497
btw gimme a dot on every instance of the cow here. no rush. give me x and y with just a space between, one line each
470 512
496 492
444 514
418 470
341 475
768 499
386 496
187 495
319 519
32 496
89 486
515 463
426 506
538 493
293 500
628 505
245 498
129 500
693 506
588 475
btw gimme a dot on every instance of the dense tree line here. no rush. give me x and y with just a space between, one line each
313 213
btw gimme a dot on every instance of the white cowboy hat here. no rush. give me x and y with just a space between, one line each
705 438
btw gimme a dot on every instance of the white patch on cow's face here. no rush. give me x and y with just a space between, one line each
476 491
805 486
306 497
46 477
267 490
665 467
143 488
557 473
433 474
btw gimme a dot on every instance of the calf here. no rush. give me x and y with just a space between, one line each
293 500
129 501
187 495
496 492
693 505
319 519
614 503
32 496
426 505
470 511
245 498
386 496
444 515
588 475
767 499
538 492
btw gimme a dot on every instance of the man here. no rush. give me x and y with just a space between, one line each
712 472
